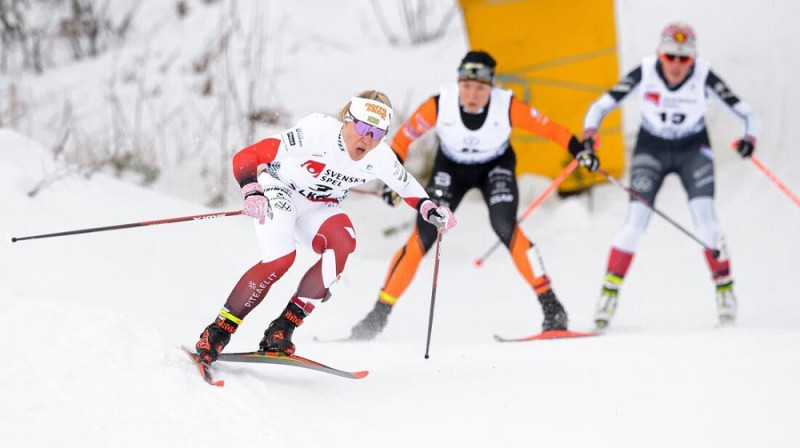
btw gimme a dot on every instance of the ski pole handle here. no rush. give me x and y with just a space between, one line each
775 180
532 206
714 252
130 225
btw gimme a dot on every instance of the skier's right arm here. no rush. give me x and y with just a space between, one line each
419 122
247 160
606 103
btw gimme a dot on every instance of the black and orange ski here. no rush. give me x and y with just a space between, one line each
202 368
286 360
552 334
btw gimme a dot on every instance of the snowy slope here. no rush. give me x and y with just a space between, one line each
96 321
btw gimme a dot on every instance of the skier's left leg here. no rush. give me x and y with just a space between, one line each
334 240
500 192
697 176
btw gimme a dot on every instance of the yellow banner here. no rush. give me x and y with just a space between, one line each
557 56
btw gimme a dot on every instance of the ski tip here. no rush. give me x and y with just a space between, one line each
202 370
478 263
557 334
359 375
545 335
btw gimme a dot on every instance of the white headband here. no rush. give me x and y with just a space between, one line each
371 112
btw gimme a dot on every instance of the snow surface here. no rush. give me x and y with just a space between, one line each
95 321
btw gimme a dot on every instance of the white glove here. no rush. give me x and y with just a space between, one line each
256 205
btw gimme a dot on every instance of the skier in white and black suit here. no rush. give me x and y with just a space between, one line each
309 170
674 86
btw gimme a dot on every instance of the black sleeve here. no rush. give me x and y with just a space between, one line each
721 89
575 146
626 85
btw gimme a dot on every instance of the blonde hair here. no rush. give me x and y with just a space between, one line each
368 94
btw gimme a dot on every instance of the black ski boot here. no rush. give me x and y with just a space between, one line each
555 317
213 339
373 323
278 336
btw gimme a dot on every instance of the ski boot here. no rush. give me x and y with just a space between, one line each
607 303
726 302
606 306
213 339
373 323
278 336
555 317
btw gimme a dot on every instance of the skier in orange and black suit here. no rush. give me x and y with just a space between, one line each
473 120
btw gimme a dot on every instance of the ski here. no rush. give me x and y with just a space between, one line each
552 334
202 368
288 360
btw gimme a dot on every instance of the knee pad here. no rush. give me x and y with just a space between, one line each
335 241
329 272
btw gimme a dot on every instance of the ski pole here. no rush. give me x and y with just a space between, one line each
528 210
131 225
433 291
362 191
775 180
714 252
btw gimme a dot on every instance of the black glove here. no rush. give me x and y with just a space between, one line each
745 147
584 152
390 196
